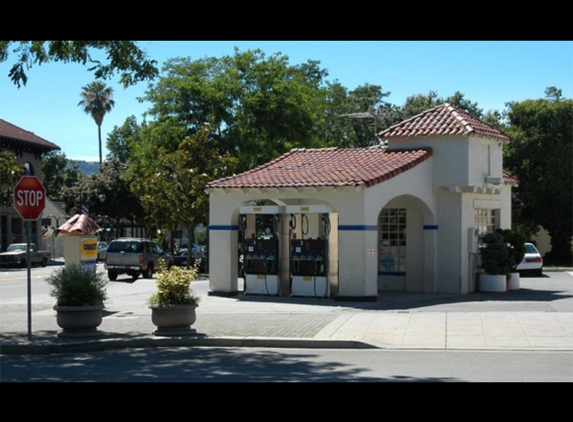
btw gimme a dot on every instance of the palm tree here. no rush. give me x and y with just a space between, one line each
97 101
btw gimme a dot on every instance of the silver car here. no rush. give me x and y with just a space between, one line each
134 256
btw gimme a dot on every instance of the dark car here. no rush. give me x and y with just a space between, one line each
180 258
197 252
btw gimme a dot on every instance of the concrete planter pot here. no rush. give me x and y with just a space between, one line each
79 321
175 320
492 283
514 281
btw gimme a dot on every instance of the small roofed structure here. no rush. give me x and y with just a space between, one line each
78 224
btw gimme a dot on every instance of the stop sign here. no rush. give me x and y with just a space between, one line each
29 197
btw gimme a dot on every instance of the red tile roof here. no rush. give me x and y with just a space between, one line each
8 130
509 179
327 167
78 224
442 120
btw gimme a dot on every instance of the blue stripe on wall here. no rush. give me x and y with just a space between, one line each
228 228
401 273
358 228
430 227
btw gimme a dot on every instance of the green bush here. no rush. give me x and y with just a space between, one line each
516 242
174 287
495 255
72 286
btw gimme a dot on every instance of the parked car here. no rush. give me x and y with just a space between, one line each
532 261
134 256
197 252
101 250
16 255
180 258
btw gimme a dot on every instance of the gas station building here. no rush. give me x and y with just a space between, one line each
351 223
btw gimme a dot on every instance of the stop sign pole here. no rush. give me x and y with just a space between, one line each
29 201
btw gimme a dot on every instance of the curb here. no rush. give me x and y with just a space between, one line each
70 346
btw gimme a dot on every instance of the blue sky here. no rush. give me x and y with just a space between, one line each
490 73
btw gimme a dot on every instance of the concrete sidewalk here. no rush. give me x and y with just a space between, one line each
526 320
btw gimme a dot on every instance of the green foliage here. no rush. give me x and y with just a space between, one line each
57 174
540 155
97 101
111 183
516 242
260 106
10 173
495 255
73 286
172 190
174 287
121 56
121 141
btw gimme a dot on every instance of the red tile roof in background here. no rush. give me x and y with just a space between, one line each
328 167
442 120
509 179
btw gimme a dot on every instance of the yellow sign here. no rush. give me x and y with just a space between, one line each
89 248
304 209
257 209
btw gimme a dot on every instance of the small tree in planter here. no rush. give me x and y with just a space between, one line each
173 305
80 295
496 262
516 242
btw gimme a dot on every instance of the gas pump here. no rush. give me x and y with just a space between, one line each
261 249
309 256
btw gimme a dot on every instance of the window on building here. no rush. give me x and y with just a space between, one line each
486 220
392 240
28 169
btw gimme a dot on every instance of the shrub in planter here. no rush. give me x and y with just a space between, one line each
80 296
496 262
173 304
516 242
72 286
495 255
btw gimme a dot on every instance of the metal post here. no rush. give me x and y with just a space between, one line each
28 263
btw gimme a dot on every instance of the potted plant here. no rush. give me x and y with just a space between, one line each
173 305
496 263
80 295
516 243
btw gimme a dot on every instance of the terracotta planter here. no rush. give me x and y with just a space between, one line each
173 320
79 321
492 283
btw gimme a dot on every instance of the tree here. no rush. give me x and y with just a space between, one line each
97 101
419 103
121 141
259 106
540 155
173 189
122 56
103 192
10 173
58 173
360 115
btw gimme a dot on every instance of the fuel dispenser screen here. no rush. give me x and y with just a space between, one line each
261 256
308 257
